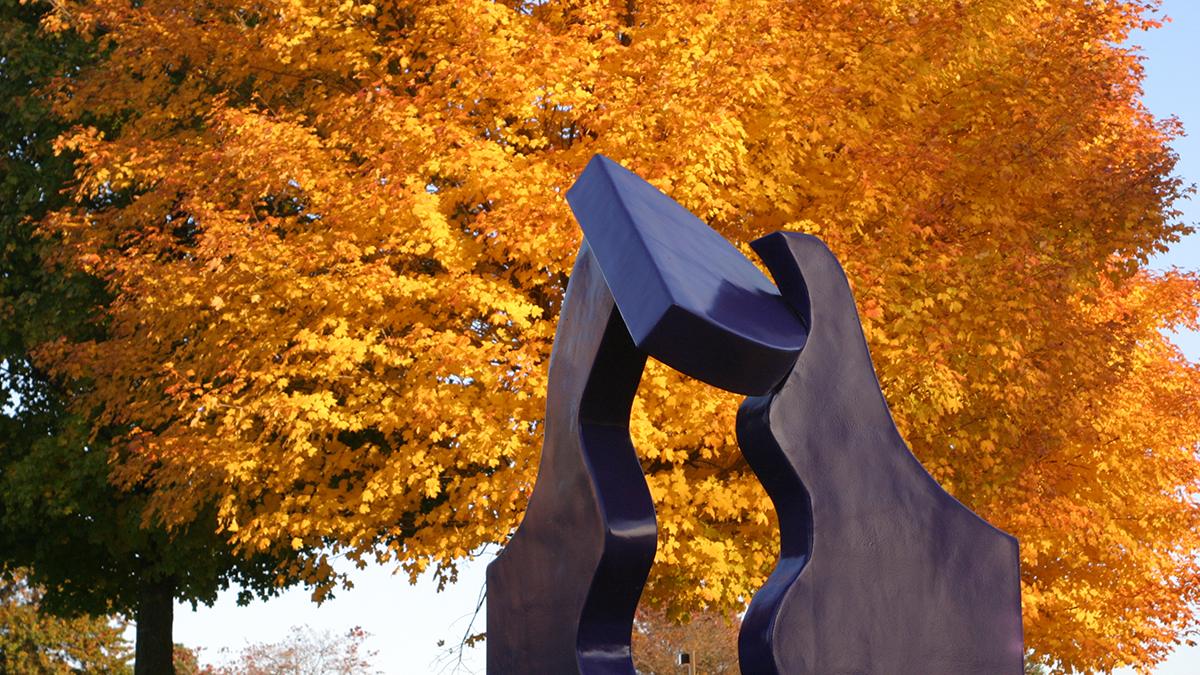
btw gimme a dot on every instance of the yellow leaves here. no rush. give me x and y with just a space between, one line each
339 266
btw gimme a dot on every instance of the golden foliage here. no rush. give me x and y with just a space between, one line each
337 245
35 642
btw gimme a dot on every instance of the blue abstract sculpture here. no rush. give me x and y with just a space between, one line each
880 571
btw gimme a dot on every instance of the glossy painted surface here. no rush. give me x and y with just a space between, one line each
882 572
562 593
690 298
650 279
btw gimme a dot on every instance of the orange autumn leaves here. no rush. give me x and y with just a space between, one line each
336 242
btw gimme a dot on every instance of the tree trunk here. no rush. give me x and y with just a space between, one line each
155 614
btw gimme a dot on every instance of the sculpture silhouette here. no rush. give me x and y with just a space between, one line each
651 278
880 570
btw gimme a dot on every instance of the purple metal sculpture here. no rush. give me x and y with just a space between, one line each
880 571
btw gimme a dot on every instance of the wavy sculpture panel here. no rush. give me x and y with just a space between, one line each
880 572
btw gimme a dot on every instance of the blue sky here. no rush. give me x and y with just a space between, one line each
407 621
1172 55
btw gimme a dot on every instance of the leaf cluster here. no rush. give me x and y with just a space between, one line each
34 642
84 539
335 243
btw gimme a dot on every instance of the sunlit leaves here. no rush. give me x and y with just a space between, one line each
35 642
340 261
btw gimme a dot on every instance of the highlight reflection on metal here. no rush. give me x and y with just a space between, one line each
880 572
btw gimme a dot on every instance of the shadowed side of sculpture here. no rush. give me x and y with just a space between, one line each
653 279
689 298
564 590
881 571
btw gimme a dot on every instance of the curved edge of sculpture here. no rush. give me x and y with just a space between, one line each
793 507
689 298
574 570
630 532
881 571
941 585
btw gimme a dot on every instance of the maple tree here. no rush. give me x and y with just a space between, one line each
61 519
341 246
